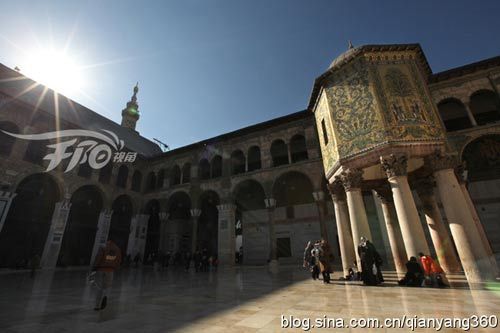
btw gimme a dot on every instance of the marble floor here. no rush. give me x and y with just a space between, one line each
241 299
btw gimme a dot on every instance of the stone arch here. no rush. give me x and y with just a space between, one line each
216 166
204 169
175 175
150 182
238 162
208 221
249 195
186 173
29 218
454 114
122 177
292 188
482 158
279 153
6 141
152 209
178 206
105 173
136 181
254 158
485 106
179 230
298 148
161 178
81 227
121 219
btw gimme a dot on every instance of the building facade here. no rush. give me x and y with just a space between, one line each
357 162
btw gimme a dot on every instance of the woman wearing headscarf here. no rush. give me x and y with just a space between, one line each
371 274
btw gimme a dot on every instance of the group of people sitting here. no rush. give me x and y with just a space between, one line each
426 273
318 258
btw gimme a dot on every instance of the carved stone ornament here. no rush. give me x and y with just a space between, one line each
351 179
439 161
394 165
336 190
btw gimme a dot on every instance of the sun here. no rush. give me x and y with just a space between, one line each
54 69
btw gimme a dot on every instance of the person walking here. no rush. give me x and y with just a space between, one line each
324 261
108 260
370 263
307 255
315 255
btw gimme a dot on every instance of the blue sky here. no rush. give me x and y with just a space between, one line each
206 67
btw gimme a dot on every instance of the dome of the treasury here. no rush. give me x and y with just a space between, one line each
345 57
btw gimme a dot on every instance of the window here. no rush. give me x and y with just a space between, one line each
216 166
279 153
298 149
204 169
254 158
325 133
284 248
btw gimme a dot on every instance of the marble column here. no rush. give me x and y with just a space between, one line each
319 198
459 172
137 237
469 245
163 231
352 180
273 244
226 234
56 233
195 214
347 252
5 202
470 114
395 166
393 230
439 234
101 236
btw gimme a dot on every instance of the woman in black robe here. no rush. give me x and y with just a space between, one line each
371 274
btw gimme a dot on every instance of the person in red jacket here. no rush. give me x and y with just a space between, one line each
108 260
433 272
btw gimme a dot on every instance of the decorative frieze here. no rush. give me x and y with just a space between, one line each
439 161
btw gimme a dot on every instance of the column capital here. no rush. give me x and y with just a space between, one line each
336 190
439 161
461 173
351 179
270 203
384 193
226 207
318 196
195 212
394 165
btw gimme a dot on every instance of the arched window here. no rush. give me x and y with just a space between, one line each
204 169
121 179
7 141
136 181
85 170
36 151
217 166
485 107
105 173
254 162
161 178
151 181
186 173
454 114
279 153
298 148
237 162
175 175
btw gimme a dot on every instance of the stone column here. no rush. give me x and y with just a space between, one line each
163 231
273 244
347 251
195 214
459 172
409 221
226 233
393 230
352 180
137 236
319 198
469 245
5 202
56 232
101 236
437 229
470 114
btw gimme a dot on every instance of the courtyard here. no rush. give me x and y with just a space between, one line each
237 299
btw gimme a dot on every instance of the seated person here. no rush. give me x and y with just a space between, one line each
439 275
353 274
414 275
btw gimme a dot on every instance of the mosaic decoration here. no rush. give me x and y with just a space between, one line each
328 151
355 119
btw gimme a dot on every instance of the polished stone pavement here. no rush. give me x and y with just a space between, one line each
241 299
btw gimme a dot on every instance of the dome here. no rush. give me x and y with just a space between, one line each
344 57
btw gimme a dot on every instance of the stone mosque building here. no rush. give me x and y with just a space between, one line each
386 149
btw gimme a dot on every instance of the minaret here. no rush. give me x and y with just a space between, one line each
131 114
